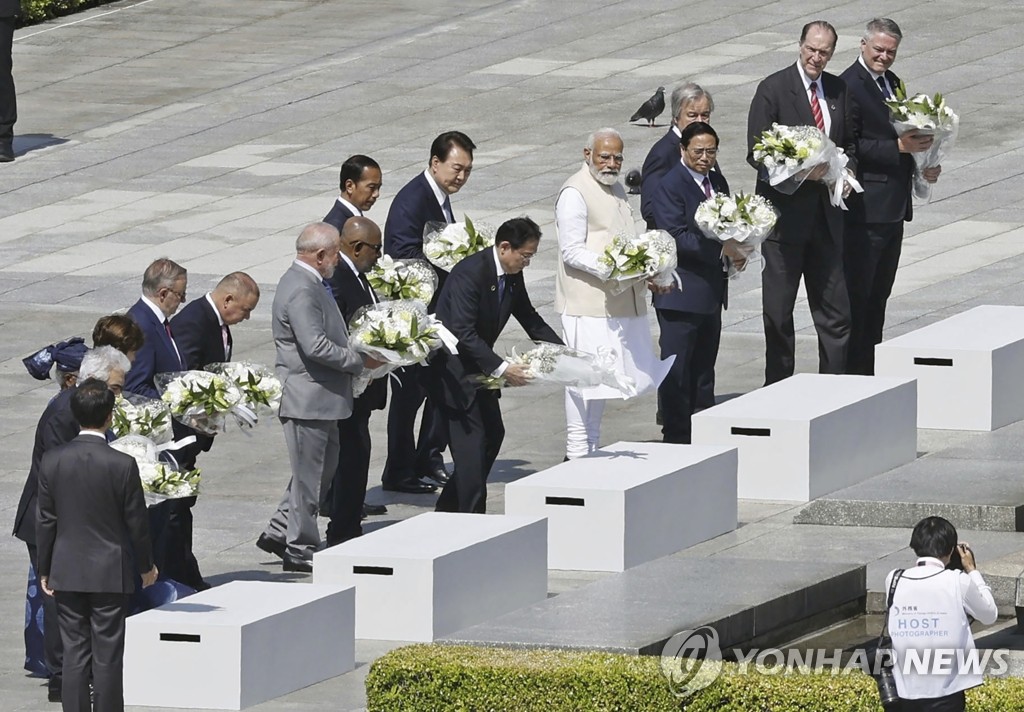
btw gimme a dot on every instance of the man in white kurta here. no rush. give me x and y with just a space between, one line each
590 210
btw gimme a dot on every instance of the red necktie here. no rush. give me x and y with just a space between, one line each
167 328
819 120
706 184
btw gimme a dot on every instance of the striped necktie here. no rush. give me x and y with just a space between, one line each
819 120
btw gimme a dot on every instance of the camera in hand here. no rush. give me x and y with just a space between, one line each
956 562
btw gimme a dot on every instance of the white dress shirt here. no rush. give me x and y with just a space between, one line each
311 270
439 194
223 326
874 78
356 212
162 318
822 102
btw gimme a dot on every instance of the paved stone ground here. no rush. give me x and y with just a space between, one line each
211 132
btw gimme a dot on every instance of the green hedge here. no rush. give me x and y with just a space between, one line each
441 677
37 10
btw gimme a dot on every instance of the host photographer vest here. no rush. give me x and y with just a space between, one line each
578 293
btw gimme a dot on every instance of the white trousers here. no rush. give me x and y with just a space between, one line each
582 424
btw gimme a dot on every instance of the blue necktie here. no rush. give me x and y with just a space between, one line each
330 290
449 216
501 288
884 87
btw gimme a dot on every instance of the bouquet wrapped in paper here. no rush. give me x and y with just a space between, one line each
160 480
649 255
790 153
399 333
561 365
260 388
395 279
445 245
741 219
138 415
203 401
930 116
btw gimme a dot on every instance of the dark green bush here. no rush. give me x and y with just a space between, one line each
423 678
37 10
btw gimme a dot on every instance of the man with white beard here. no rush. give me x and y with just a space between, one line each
590 210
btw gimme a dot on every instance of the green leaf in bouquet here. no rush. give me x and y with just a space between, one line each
471 231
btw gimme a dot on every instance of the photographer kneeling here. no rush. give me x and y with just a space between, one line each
928 620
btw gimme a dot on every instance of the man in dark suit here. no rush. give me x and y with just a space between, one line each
93 537
163 291
360 187
202 333
9 11
360 249
57 426
885 169
424 199
690 103
481 293
808 238
691 318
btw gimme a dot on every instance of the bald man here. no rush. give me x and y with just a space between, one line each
202 332
360 250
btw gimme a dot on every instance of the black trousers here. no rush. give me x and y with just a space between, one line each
53 647
871 256
410 457
92 628
179 563
693 339
8 100
819 260
475 439
348 488
957 702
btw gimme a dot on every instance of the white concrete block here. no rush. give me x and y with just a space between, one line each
811 434
437 573
239 644
969 368
629 503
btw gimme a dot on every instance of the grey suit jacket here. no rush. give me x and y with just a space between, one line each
314 361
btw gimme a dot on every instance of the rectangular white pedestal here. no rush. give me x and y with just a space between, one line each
239 644
437 573
969 368
809 435
629 503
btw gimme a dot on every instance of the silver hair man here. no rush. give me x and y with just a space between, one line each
162 273
100 361
686 94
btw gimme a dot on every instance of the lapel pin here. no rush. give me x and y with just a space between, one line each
493 288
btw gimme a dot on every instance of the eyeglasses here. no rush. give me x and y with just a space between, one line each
180 295
709 152
377 248
610 157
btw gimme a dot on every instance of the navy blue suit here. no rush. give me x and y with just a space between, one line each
348 488
874 223
413 207
664 154
690 318
471 308
157 354
338 214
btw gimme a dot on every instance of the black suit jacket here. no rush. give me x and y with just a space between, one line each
664 154
413 207
93 531
700 257
350 295
780 98
57 426
883 172
10 8
197 333
157 354
338 215
468 306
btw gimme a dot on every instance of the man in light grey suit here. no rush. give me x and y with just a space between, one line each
315 366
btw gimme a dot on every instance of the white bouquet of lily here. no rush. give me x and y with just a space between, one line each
742 219
399 333
261 390
649 255
160 480
790 153
202 400
138 415
403 279
926 115
445 245
561 365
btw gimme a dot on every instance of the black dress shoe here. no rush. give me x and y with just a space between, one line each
271 546
295 564
54 690
374 510
438 474
6 156
411 486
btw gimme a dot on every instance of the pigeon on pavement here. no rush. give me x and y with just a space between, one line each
651 108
